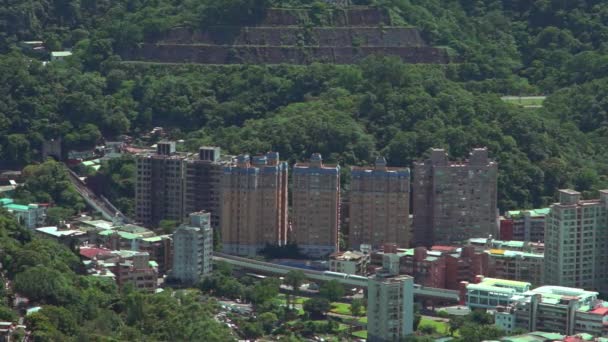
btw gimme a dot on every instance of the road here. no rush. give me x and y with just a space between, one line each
99 203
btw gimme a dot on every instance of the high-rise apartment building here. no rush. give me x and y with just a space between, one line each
253 204
390 306
576 242
454 201
379 201
316 206
192 248
159 185
202 182
171 185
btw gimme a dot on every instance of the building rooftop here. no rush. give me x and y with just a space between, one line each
501 285
99 224
348 256
56 232
155 238
444 248
535 336
556 293
61 53
5 201
498 243
123 235
513 254
17 207
93 252
533 212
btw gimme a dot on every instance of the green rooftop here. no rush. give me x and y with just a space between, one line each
153 239
533 212
17 207
5 201
503 282
123 235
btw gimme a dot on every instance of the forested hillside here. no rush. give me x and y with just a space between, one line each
88 308
349 113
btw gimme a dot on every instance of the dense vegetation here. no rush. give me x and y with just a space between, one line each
348 113
84 308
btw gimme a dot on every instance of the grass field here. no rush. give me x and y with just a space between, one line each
340 308
343 309
440 327
360 334
525 101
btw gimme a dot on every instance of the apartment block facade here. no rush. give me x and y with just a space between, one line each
379 201
356 263
524 225
454 201
253 204
316 206
441 267
390 307
519 266
193 246
576 242
170 185
202 178
159 185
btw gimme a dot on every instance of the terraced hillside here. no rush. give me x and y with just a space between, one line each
293 36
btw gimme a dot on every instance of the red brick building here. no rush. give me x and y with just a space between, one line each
441 266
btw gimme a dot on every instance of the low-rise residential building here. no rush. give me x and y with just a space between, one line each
524 225
349 262
123 266
193 245
558 309
514 265
160 249
64 235
482 244
488 293
31 215
441 266
390 306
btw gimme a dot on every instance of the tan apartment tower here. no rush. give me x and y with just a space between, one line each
253 204
379 201
159 185
316 206
576 242
454 201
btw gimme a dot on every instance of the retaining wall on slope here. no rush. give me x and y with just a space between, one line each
294 36
356 16
216 54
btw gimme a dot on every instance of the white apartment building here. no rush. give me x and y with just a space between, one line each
192 248
390 307
576 242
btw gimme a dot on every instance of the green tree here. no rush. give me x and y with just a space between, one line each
332 290
357 306
316 308
295 280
